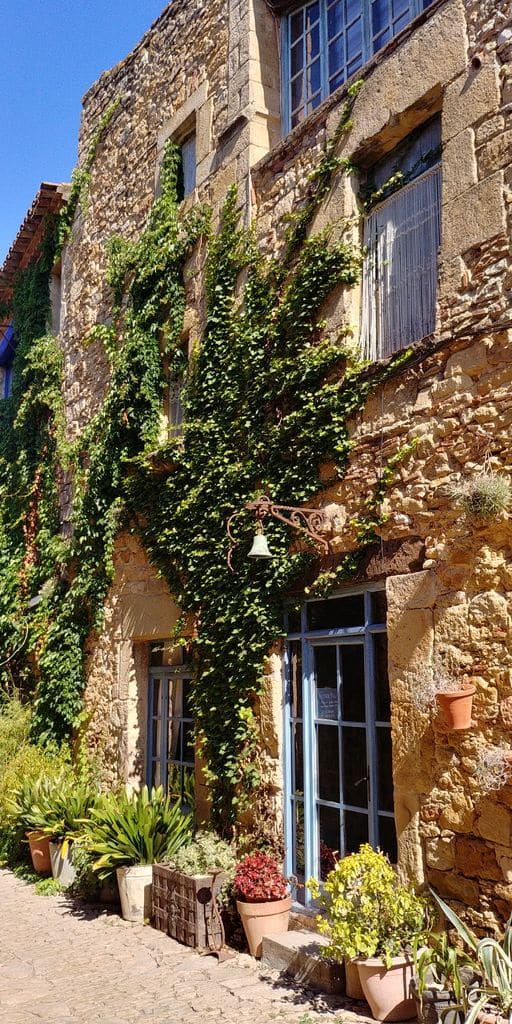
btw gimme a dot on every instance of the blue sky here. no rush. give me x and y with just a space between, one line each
52 51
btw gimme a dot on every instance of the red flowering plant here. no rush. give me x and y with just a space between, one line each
258 879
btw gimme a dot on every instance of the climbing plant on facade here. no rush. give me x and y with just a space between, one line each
267 401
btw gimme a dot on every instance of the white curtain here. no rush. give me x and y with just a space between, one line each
402 238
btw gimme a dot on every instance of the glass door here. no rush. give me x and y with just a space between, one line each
338 735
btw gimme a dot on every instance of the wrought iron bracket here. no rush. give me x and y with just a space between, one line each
307 520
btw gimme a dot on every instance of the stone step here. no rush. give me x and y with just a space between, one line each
297 953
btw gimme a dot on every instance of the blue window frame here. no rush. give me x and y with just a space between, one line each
328 41
7 351
170 748
338 765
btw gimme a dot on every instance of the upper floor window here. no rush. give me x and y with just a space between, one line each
401 235
7 349
329 40
187 167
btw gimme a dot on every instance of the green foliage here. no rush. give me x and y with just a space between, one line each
484 496
267 400
14 728
48 887
367 912
207 851
492 959
135 828
58 805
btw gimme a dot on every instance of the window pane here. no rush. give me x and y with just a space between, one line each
175 698
156 775
329 837
174 743
313 43
295 668
355 786
338 613
297 92
314 79
352 683
186 693
379 607
385 770
293 620
328 763
382 695
312 14
297 25
188 156
326 679
298 782
356 831
380 16
156 737
354 40
387 838
299 839
156 652
188 742
189 789
400 7
297 58
157 687
336 55
335 20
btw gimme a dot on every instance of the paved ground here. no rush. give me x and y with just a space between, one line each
64 962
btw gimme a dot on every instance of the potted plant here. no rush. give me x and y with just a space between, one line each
491 999
22 810
129 832
453 695
262 898
372 919
189 891
443 977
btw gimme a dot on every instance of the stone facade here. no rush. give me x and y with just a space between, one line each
215 63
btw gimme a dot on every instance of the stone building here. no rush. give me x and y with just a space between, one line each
251 90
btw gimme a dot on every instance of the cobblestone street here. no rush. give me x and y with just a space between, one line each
63 962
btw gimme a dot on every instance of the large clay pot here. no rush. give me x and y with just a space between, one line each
386 989
435 1006
135 891
456 707
62 865
39 846
353 987
261 919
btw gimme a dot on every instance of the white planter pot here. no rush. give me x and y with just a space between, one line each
135 892
62 867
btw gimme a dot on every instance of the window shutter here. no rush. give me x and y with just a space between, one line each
402 237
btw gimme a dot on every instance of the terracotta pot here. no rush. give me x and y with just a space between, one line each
261 919
39 846
456 707
386 989
353 987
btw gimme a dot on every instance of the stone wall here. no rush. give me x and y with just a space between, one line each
453 401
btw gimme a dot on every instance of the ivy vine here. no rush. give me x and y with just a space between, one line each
267 402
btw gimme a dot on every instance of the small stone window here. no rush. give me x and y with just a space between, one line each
171 745
401 234
7 350
328 41
187 167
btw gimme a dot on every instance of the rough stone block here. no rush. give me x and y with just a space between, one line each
494 822
473 217
470 97
459 165
297 953
468 361
475 858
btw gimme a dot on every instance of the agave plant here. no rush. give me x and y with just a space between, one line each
493 961
141 827
54 806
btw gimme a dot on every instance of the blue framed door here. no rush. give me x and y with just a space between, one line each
338 762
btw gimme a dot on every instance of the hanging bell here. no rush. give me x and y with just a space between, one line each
260 548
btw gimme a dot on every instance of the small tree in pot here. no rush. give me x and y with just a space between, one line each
371 917
262 898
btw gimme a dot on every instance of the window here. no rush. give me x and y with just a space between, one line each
338 764
329 40
402 235
175 410
7 350
171 726
187 167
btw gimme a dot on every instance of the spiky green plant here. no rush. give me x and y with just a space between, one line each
493 962
141 827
